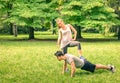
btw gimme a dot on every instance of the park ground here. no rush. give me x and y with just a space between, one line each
33 61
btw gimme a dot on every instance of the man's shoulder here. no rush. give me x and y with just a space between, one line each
72 56
69 55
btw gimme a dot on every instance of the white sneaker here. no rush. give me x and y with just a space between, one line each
112 68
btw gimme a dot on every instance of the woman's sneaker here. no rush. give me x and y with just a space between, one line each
81 57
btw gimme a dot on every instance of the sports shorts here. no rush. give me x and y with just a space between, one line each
88 66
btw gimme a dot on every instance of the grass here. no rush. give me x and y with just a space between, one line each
31 61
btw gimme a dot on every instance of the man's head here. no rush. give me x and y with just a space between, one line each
59 55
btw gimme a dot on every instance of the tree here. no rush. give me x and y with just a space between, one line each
84 13
54 26
6 7
29 13
116 5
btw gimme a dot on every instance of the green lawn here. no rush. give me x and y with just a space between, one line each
33 62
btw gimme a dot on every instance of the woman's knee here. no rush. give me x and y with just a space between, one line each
79 45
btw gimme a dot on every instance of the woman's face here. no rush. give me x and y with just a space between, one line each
60 23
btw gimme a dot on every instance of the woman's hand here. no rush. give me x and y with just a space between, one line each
73 39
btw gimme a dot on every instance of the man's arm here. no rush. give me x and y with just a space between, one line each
72 69
64 67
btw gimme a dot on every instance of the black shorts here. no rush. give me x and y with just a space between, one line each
89 66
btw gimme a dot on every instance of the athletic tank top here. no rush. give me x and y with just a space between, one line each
66 36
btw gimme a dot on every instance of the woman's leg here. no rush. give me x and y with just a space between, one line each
64 50
76 43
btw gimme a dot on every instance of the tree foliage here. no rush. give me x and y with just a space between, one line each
35 13
28 12
90 13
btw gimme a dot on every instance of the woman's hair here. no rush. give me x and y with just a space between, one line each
57 20
58 53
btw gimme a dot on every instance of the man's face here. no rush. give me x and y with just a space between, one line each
59 58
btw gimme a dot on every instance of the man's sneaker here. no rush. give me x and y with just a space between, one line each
112 68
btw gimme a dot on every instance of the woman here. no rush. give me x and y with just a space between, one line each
65 38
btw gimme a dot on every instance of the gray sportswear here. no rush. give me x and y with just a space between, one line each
78 62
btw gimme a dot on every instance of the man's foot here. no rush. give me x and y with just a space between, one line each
112 68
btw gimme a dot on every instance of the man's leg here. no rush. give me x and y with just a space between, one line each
100 66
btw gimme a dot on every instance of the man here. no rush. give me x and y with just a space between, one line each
76 62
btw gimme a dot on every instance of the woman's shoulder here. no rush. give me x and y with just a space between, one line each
68 25
60 29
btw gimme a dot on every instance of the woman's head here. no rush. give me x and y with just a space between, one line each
60 23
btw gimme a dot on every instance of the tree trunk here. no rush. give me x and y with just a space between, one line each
31 33
10 6
11 28
118 32
117 11
78 28
15 30
53 26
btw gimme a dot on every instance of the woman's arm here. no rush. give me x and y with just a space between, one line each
59 38
74 31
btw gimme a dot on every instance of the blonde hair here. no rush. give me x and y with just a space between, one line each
57 20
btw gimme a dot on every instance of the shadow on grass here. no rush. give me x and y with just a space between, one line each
89 73
81 40
98 39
